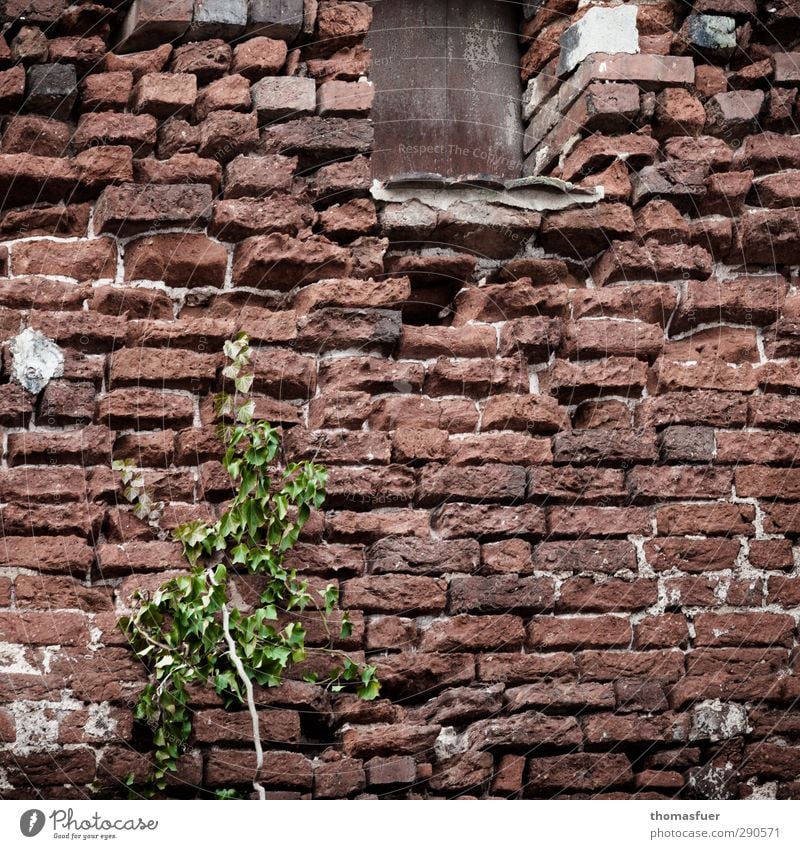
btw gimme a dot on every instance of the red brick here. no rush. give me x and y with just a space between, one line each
743 629
349 63
651 303
50 593
42 484
163 367
350 448
12 88
599 151
44 629
120 560
590 772
500 594
237 766
408 674
338 778
114 128
473 633
57 220
609 521
491 482
663 631
178 259
575 484
731 674
733 114
604 446
206 59
218 726
367 741
546 633
256 176
85 260
230 93
691 555
394 594
237 219
535 413
578 595
611 665
526 730
678 113
508 777
259 57
280 262
421 556
671 376
177 170
49 554
585 232
75 766
144 408
649 483
340 99
225 134
743 300
625 261
130 209
713 519
512 555
36 135
23 176
604 556
384 772
607 728
353 526
149 61
106 92
515 668
755 447
615 375
608 338
771 554
499 302
560 695
83 447
460 520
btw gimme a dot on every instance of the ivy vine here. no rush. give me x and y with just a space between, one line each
188 631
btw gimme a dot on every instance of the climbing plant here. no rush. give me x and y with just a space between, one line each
188 631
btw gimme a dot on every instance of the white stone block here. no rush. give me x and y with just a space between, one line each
601 30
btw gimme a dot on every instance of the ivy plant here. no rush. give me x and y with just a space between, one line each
189 632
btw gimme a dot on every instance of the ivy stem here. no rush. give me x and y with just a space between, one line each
251 704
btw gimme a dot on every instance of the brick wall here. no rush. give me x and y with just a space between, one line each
562 502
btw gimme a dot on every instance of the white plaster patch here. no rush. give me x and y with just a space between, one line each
600 30
100 723
36 360
716 720
449 743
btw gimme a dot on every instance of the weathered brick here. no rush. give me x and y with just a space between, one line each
112 128
393 594
130 209
546 633
178 259
591 772
500 594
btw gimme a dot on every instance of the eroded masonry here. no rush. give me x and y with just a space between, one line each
545 340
